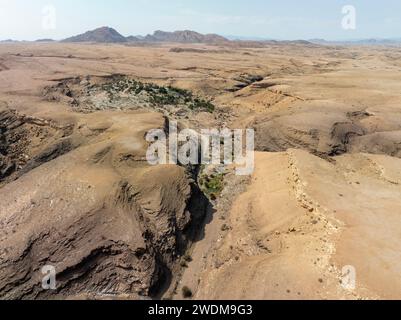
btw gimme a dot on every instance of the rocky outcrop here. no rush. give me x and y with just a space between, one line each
335 133
108 223
185 36
109 35
26 142
102 35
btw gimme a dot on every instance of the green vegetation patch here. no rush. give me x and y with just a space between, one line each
158 96
212 185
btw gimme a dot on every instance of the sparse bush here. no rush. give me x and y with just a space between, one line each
203 105
212 185
225 227
154 94
187 258
186 292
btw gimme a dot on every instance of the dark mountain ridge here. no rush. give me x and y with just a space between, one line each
110 35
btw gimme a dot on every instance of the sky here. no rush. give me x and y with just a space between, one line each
279 19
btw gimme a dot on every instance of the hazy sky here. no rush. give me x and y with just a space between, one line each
280 19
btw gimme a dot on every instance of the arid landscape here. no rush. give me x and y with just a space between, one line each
77 192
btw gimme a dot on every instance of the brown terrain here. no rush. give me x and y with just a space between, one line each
76 191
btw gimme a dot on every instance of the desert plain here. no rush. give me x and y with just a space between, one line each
77 193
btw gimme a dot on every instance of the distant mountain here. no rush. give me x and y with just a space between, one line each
246 38
44 40
133 39
8 41
102 35
366 42
318 41
185 36
377 41
109 35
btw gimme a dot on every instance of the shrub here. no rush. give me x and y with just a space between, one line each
213 185
200 104
186 292
187 258
156 95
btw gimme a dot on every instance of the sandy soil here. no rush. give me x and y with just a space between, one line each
301 221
